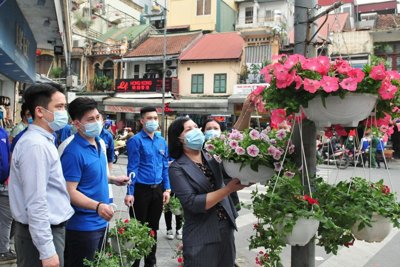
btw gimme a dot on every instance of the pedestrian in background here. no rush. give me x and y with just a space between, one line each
150 188
26 119
84 165
39 199
209 213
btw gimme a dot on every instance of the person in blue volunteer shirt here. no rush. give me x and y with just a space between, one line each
108 139
380 148
26 119
85 170
150 188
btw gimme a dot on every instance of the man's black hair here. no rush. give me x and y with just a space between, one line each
80 106
40 95
24 109
145 110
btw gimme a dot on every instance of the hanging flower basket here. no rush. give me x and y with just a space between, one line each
117 246
347 111
379 229
246 175
302 232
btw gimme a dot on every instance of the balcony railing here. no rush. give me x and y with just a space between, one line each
108 50
246 23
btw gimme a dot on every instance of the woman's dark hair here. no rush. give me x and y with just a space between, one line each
203 127
24 109
175 146
80 106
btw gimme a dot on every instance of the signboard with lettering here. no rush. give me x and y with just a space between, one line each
142 85
245 89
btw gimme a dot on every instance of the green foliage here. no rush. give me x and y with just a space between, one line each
174 205
349 202
277 213
102 83
56 72
82 22
106 259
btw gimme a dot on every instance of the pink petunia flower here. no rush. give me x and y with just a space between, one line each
289 174
311 85
280 72
277 116
264 137
387 90
253 150
342 66
254 134
378 72
393 75
240 150
258 90
271 150
330 84
217 158
209 147
266 130
277 155
356 74
324 65
281 134
349 84
278 166
233 144
310 64
291 149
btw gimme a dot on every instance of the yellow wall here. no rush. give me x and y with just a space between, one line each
183 12
231 68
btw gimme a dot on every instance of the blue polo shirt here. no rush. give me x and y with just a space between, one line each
4 156
148 159
83 163
109 141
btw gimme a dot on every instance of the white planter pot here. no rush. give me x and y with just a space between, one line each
246 175
126 245
379 230
302 232
348 111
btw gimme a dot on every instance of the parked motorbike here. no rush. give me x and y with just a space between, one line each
119 149
333 155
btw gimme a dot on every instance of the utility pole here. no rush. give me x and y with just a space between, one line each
164 11
304 37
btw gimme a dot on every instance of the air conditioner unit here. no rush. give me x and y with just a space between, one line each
170 73
72 81
171 64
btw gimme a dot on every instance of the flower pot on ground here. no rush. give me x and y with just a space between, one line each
280 213
377 232
246 174
252 155
347 111
296 81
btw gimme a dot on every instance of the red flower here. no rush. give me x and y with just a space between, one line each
310 200
121 230
152 233
180 259
126 221
348 244
277 117
255 226
385 189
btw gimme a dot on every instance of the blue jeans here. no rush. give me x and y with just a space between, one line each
80 245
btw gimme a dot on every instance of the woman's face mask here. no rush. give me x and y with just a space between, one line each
194 139
209 134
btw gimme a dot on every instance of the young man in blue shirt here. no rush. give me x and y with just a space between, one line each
85 170
150 188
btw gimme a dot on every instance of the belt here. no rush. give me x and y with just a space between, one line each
152 186
63 224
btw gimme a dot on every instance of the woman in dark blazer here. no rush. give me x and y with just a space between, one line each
209 214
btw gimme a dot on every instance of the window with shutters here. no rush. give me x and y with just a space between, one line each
203 7
220 83
197 83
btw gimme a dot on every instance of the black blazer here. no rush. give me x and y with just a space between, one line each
191 186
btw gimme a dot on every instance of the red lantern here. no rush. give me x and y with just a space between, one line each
38 52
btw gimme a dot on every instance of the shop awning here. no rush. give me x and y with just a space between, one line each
201 106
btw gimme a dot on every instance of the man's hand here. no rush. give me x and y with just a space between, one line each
53 261
129 200
106 211
120 180
166 197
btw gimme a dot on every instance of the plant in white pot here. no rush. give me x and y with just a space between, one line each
286 215
252 156
174 205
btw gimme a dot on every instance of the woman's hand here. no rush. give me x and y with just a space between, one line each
235 185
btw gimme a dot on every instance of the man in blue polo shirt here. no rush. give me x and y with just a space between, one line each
150 188
85 170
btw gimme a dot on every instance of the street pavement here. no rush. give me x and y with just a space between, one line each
362 254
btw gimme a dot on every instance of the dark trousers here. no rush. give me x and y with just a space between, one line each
148 206
80 245
27 253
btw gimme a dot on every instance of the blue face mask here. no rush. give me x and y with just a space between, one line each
151 126
194 139
60 119
93 129
211 134
30 120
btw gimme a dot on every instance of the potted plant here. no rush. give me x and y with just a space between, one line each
102 83
286 215
132 239
329 92
174 205
252 156
356 209
106 259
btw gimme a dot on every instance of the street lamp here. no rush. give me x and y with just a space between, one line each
164 13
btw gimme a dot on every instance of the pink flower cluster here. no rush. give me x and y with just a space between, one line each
295 69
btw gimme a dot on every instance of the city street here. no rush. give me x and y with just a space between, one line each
360 255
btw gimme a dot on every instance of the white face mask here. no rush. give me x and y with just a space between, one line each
60 119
